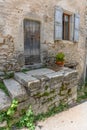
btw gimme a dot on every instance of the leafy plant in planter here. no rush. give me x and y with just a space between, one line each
60 59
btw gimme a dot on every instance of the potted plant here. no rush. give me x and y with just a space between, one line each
60 59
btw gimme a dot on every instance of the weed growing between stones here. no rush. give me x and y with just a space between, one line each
8 116
8 75
82 94
27 120
25 70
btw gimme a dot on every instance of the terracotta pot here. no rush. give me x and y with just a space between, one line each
60 63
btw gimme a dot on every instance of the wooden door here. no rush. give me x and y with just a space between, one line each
31 42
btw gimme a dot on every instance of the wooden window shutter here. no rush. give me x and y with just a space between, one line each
76 27
58 23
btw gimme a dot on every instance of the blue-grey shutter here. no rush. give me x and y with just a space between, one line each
72 27
76 27
58 23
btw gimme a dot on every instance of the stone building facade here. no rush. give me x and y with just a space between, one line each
13 14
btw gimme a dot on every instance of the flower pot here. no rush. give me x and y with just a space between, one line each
60 63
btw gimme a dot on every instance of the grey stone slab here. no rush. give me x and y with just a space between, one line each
24 77
42 77
70 71
42 71
27 80
55 74
15 90
5 101
70 75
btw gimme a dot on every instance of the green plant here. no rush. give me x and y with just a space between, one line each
60 56
28 120
12 108
9 75
82 94
9 115
25 70
11 112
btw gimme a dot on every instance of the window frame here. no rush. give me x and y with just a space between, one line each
69 29
72 29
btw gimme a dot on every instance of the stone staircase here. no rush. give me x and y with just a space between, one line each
42 88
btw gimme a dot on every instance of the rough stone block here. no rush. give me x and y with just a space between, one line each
56 85
15 90
74 89
28 81
25 105
69 75
1 40
4 101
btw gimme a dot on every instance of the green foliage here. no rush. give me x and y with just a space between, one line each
9 75
28 120
12 108
60 56
2 86
9 115
25 70
82 94
2 116
1 128
46 87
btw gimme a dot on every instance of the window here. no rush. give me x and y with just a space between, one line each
66 26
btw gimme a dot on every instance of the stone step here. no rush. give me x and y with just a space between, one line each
33 79
38 72
5 101
31 83
15 90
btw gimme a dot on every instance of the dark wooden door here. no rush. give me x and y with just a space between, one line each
31 42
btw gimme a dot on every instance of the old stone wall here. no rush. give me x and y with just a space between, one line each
9 59
45 89
13 12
